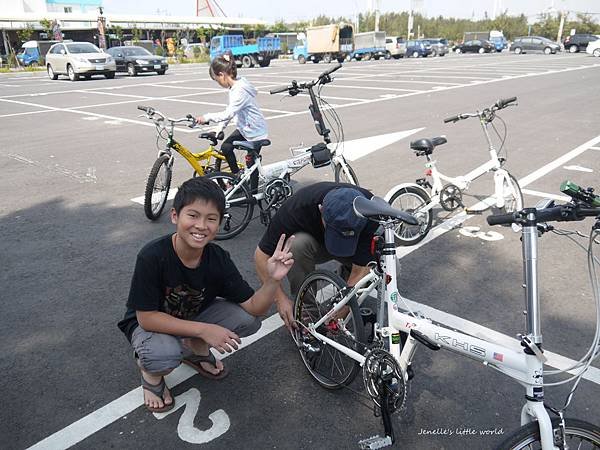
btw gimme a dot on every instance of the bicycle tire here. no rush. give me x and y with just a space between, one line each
342 177
406 234
576 431
157 188
329 367
512 204
238 209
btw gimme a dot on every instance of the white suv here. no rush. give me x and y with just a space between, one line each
396 45
593 48
76 59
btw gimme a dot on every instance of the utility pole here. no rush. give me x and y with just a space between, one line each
563 16
376 15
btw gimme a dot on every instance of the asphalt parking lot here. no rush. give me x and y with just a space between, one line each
75 157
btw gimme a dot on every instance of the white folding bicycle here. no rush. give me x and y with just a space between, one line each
331 336
447 191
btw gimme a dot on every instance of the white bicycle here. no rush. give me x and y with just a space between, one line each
331 336
447 191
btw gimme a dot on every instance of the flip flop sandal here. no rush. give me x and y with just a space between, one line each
195 360
159 391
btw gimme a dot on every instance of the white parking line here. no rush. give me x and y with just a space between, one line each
563 198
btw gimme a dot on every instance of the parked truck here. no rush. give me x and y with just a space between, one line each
370 45
495 37
33 52
325 43
246 55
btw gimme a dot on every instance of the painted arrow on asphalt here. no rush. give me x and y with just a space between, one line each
353 150
358 148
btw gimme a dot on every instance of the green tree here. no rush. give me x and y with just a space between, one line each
136 34
47 26
201 34
279 27
118 32
25 34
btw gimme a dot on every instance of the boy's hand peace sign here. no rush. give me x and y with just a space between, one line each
280 263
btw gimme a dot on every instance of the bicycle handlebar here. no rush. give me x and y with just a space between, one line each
564 213
504 102
500 104
295 88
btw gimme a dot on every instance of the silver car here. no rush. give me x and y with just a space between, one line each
76 59
439 47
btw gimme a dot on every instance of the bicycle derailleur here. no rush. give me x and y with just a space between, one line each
451 198
276 192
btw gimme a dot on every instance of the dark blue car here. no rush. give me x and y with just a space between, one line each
417 47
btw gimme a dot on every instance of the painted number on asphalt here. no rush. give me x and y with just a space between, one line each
483 235
186 429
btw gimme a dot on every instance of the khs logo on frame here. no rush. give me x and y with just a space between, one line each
461 345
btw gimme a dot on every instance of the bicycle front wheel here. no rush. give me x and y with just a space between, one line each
157 187
344 173
239 205
513 197
329 367
578 434
412 200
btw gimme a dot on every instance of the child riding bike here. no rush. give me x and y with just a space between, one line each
251 124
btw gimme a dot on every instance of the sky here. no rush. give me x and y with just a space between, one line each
291 11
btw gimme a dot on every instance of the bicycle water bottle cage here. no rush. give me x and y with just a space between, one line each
320 155
426 146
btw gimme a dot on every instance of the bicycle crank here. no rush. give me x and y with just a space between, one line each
451 197
276 192
381 372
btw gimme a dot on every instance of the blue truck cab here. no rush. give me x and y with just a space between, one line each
29 55
259 54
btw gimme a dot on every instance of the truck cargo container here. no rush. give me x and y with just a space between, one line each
325 43
370 45
246 55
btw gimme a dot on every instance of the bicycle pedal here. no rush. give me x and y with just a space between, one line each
375 442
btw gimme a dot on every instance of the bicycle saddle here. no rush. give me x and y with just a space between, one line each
251 145
426 146
378 209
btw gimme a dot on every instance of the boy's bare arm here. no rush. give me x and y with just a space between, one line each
216 336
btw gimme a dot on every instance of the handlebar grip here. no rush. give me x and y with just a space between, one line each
330 71
279 90
452 119
143 108
500 219
504 102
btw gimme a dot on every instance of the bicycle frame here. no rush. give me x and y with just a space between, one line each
525 366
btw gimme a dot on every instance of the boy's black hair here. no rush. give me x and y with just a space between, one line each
199 188
223 64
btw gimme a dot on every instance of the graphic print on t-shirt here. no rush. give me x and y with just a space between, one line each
183 302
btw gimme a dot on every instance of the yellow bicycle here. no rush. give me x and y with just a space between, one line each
159 179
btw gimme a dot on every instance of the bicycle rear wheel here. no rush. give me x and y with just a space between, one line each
412 200
239 205
329 367
578 434
345 174
157 187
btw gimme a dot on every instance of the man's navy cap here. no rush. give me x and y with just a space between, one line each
342 225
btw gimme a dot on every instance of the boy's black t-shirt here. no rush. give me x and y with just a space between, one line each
301 213
161 282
